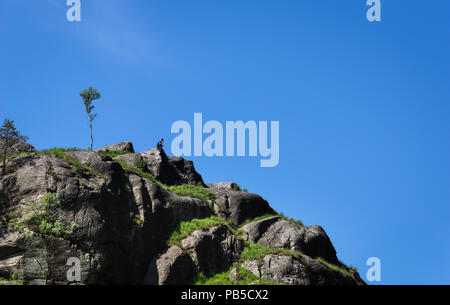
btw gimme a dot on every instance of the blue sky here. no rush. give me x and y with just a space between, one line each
363 107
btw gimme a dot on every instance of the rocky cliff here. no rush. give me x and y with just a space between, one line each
146 218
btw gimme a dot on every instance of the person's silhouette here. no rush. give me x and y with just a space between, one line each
160 144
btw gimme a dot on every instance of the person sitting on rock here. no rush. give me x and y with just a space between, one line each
160 144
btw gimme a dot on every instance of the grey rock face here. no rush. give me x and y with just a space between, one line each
122 147
168 170
233 275
225 186
214 250
298 271
237 205
124 222
18 147
132 159
172 268
276 232
186 171
10 254
158 165
207 251
111 246
281 268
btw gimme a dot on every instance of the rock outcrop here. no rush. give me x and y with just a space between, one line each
118 223
167 170
19 147
276 232
118 147
239 206
288 269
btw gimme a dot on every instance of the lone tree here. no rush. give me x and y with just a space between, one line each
9 136
89 95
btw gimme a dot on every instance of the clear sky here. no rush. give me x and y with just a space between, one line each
363 107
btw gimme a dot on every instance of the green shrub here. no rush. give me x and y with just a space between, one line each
139 162
185 228
40 218
16 279
137 220
236 187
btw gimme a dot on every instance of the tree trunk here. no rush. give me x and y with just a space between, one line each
5 153
92 140
4 165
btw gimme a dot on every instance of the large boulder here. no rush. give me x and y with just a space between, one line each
118 147
19 147
158 165
186 171
214 250
133 159
10 254
210 251
237 205
276 232
299 270
171 268
101 164
168 170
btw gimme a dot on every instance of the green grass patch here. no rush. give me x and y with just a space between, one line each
192 191
341 267
137 171
10 156
254 251
60 153
244 277
291 220
185 228
281 215
76 165
188 190
113 154
258 218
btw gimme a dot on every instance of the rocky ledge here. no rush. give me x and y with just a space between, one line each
147 218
